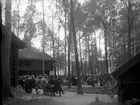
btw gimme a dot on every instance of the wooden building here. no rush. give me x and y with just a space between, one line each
31 63
128 77
16 44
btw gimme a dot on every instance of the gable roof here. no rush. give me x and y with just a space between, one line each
14 39
126 66
35 55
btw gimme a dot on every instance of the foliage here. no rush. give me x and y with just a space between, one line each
91 16
29 26
14 21
60 61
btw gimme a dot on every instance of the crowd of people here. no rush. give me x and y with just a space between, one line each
50 85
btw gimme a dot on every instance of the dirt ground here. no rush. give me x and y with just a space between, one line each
91 90
69 98
49 102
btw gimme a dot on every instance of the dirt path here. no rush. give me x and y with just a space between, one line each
70 98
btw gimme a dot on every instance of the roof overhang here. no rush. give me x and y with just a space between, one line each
35 59
126 66
16 41
31 55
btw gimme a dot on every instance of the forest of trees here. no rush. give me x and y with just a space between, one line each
99 35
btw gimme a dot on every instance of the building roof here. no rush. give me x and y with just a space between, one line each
126 66
19 43
14 39
35 55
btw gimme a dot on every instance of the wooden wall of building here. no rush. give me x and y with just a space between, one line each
34 67
14 65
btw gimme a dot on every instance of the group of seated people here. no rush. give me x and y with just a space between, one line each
49 84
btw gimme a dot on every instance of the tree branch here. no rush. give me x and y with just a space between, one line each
60 21
124 3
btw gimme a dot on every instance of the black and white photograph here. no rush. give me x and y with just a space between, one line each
70 52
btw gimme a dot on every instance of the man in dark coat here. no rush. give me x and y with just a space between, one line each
28 85
21 81
57 87
33 82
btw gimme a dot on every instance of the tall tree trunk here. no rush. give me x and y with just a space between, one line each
81 64
92 61
43 46
69 53
85 65
31 25
96 56
85 58
58 49
18 18
53 43
79 86
6 92
89 58
65 38
129 30
106 54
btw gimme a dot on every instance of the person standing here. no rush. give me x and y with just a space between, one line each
28 84
44 82
38 81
